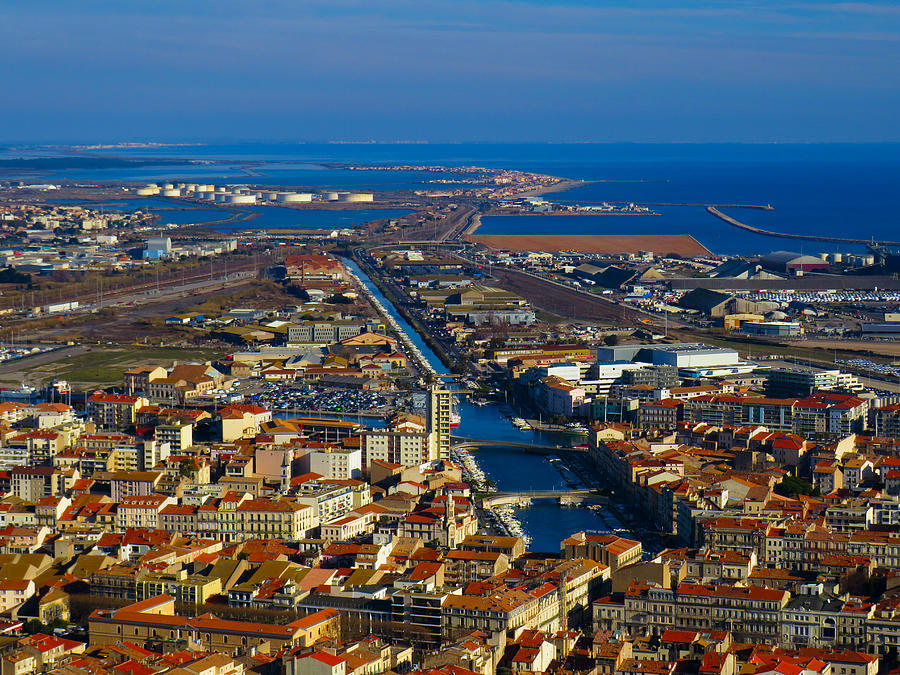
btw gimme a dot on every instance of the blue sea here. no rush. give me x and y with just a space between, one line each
839 190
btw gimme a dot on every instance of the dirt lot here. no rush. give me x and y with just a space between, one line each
678 244
564 302
890 349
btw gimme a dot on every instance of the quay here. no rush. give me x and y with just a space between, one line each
329 414
807 237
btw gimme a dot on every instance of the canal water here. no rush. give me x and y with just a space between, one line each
417 340
545 521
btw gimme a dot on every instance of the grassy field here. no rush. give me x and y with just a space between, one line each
102 366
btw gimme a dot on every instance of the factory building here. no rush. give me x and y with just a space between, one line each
692 359
773 328
793 263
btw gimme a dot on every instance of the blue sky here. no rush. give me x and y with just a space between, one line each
457 70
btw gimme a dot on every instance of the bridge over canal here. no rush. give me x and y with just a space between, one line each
563 496
464 442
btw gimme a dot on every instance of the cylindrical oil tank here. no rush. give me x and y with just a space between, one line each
146 191
222 197
837 257
242 199
167 186
357 197
332 196
171 192
270 196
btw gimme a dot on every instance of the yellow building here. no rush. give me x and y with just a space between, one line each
154 619
189 589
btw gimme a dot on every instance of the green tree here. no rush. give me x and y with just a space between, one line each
791 486
187 468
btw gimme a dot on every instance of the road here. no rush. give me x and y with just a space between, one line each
15 366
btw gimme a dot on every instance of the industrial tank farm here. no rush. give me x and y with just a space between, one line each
242 194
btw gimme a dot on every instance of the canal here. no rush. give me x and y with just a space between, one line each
545 521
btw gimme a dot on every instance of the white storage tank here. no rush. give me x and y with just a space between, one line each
357 197
332 196
167 186
147 190
837 257
222 197
221 188
242 199
270 196
293 198
171 192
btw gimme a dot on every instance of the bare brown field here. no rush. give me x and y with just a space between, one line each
890 349
677 244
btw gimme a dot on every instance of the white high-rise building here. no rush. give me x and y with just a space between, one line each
440 411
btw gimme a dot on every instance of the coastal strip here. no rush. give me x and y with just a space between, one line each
474 224
562 185
784 235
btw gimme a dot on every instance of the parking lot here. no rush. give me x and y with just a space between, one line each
283 396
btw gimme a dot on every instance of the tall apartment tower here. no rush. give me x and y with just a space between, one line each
440 407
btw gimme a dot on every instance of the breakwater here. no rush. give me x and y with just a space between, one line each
787 235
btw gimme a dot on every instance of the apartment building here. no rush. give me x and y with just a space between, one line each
269 519
408 446
114 411
336 462
750 613
155 619
462 567
611 551
141 512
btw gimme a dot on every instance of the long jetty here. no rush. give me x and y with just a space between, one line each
762 207
785 235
